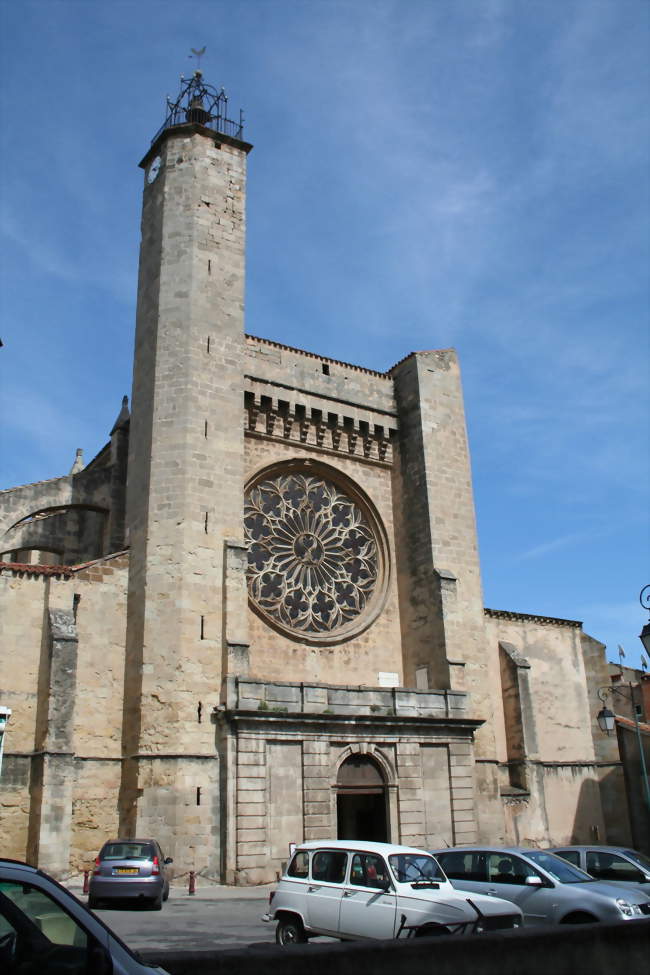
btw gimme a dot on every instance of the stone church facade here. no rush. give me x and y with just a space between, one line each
256 617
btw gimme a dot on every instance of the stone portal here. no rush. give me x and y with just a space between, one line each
361 801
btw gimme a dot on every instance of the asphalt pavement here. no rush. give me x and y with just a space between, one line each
214 917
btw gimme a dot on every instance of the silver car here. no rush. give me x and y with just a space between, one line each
134 869
351 889
548 889
44 928
618 865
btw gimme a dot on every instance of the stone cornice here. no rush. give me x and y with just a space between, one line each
398 724
506 614
321 358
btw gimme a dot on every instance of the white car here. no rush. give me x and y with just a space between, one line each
349 889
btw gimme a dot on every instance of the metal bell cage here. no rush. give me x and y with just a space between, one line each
201 104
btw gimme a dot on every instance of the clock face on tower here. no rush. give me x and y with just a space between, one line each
153 170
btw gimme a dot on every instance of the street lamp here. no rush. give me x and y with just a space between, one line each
5 714
606 718
644 635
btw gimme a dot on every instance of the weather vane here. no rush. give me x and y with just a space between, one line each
197 55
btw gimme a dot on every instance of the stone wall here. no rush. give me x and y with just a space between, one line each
440 581
62 765
287 741
543 721
22 605
361 658
186 478
610 769
426 481
75 518
275 370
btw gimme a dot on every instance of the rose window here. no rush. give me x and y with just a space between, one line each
314 560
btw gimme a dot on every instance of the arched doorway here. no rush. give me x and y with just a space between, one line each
361 800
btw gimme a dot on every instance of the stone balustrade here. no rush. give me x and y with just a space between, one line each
289 697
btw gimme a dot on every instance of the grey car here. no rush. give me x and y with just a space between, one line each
44 928
130 868
618 865
548 889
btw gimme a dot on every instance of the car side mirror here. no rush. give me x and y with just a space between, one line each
533 881
386 886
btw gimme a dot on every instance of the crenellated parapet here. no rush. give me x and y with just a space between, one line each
331 427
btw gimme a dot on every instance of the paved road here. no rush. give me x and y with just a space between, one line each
215 917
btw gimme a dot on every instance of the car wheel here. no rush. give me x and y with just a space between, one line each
579 917
290 931
156 903
93 902
166 894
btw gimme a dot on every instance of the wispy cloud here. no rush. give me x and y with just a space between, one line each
46 254
554 545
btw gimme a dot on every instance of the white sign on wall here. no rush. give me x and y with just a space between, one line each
387 679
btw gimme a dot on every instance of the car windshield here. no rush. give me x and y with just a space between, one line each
411 867
559 869
640 858
127 851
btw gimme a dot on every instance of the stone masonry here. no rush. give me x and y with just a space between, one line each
185 474
266 584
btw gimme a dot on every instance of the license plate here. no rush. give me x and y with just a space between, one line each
126 870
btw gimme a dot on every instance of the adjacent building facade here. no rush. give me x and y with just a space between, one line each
256 616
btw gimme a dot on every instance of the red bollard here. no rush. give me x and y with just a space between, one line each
86 885
192 887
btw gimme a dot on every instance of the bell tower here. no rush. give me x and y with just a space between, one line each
185 479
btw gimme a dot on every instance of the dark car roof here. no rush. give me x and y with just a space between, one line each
594 846
484 848
131 839
7 862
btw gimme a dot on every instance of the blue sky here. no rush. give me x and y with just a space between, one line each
426 173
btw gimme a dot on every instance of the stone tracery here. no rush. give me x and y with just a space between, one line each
313 559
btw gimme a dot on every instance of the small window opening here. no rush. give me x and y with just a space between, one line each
203 627
199 711
198 795
326 369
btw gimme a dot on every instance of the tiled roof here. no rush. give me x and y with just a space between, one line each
21 568
629 723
